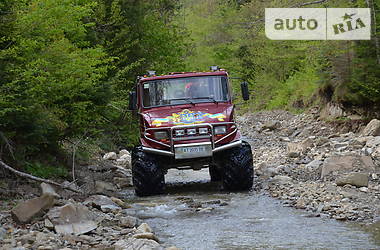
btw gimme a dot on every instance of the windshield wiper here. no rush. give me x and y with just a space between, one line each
206 97
183 99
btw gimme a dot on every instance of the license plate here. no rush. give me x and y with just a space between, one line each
186 152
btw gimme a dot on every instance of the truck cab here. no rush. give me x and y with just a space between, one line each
187 122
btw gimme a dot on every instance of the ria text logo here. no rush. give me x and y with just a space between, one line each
318 23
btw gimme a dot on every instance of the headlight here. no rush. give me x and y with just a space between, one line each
220 130
180 132
192 131
161 135
203 131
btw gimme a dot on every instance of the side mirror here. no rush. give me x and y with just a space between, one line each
244 91
132 100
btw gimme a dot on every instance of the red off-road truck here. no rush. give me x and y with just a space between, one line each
187 122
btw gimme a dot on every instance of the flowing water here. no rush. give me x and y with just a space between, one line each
195 214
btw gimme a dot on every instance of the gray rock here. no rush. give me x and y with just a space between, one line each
144 228
373 142
148 236
27 210
346 164
3 233
354 179
102 187
49 190
110 156
281 179
271 125
123 182
314 164
128 221
332 111
72 219
124 152
372 128
133 243
102 202
110 208
48 224
295 149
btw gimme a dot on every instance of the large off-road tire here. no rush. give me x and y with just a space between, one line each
148 178
215 173
237 174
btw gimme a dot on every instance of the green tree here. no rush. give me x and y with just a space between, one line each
56 90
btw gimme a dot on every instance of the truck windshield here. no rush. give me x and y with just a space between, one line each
185 90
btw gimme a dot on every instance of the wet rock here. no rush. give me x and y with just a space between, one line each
354 179
72 219
102 187
102 202
372 128
27 210
110 156
346 163
133 243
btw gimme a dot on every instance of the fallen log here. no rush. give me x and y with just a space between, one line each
34 178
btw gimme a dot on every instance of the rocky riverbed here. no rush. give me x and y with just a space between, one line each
329 169
94 218
324 169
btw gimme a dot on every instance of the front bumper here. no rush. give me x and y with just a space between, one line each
214 150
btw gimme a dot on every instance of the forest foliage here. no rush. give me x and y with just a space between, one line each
66 67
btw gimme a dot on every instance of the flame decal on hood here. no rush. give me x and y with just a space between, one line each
187 117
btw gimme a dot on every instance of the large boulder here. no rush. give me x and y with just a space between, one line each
354 179
27 210
347 163
72 219
372 128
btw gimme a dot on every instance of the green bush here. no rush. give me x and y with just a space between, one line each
46 171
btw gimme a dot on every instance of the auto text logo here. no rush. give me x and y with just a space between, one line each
318 23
